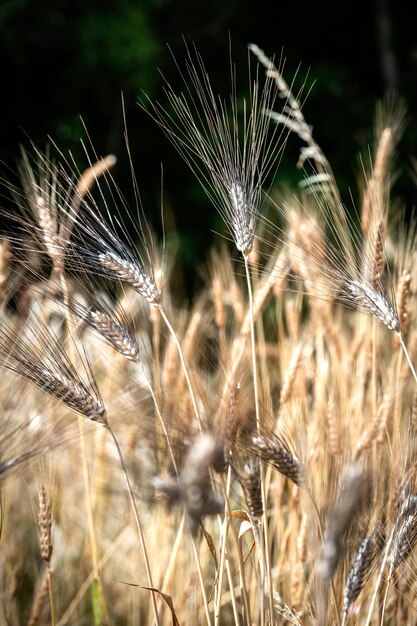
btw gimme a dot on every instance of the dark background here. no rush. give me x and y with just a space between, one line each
65 60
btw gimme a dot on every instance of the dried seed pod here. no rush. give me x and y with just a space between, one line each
232 422
378 257
403 297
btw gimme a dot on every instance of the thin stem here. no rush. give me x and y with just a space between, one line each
232 595
384 604
265 555
138 523
161 421
253 344
184 367
223 535
172 559
51 596
244 592
224 528
407 356
381 572
200 577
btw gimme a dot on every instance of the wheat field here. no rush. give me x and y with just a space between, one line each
247 458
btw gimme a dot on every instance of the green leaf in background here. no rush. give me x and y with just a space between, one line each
99 604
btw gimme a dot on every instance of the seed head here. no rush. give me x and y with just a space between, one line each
251 482
405 536
360 570
50 370
374 303
275 451
132 274
230 153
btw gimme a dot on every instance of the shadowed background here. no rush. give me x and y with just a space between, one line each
65 61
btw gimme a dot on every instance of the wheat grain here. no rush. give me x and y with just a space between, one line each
372 302
116 334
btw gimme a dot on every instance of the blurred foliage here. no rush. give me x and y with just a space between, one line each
65 66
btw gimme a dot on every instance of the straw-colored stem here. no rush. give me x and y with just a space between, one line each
407 356
201 579
223 535
244 591
161 421
51 596
384 604
224 527
253 343
172 559
265 551
184 366
138 523
381 573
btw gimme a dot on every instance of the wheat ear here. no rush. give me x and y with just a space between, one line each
404 540
122 340
45 541
359 573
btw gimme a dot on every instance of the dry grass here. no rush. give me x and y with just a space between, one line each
262 445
